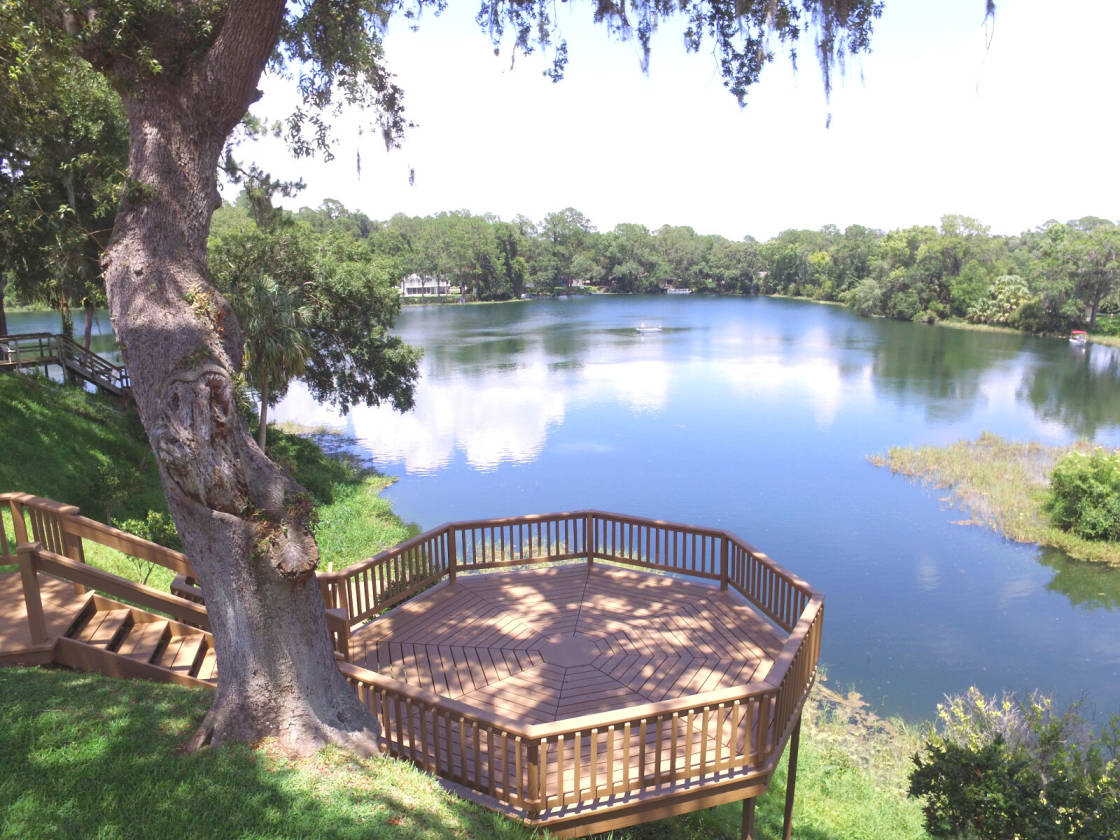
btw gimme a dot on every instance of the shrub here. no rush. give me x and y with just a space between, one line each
1007 769
1085 495
156 526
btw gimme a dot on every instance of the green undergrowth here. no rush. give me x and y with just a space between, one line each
358 523
1001 485
65 444
93 757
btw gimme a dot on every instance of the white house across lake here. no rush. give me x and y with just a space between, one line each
415 285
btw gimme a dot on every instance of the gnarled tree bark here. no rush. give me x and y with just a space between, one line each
244 523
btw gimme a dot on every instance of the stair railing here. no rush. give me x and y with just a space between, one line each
49 538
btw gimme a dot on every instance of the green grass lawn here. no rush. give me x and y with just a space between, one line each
86 756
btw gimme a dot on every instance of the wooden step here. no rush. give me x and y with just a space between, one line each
182 653
144 641
208 670
105 627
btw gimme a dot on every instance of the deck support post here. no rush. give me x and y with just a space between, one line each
32 598
723 565
533 771
746 830
791 779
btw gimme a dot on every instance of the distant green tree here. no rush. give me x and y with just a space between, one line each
566 234
63 146
865 298
1093 261
1006 296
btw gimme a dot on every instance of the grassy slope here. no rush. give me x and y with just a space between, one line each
86 756
1002 485
92 757
54 438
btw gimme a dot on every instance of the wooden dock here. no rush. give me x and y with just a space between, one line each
578 672
42 350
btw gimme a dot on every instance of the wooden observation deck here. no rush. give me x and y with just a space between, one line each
41 350
577 671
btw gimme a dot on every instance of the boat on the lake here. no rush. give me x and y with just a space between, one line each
1078 337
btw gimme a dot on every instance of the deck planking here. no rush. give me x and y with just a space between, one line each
547 644
61 605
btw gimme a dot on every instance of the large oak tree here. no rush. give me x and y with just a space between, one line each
187 71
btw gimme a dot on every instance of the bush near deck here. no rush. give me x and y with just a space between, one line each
1002 485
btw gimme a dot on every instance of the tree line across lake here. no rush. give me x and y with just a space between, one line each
1057 277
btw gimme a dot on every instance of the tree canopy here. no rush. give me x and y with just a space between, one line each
63 142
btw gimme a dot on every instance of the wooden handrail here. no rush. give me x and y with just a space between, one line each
107 535
62 567
493 543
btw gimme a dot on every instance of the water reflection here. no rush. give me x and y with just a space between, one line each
1090 586
756 416
1082 392
939 368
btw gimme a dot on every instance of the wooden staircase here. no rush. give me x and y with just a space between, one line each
33 350
113 638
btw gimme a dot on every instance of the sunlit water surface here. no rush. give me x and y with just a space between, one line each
757 415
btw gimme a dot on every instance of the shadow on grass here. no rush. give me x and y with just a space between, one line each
88 756
85 756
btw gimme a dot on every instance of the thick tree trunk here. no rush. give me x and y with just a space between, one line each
244 524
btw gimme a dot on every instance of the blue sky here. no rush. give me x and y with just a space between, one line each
1014 124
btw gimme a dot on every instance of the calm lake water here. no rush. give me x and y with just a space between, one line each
757 415
102 339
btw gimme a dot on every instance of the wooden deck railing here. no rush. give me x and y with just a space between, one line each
374 585
534 769
539 772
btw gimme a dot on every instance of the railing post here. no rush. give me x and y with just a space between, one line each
72 544
452 560
533 768
19 522
791 780
588 539
32 598
724 571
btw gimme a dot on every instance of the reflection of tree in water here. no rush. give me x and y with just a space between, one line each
937 367
1091 586
1082 394
503 336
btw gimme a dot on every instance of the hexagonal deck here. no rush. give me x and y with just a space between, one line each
545 644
